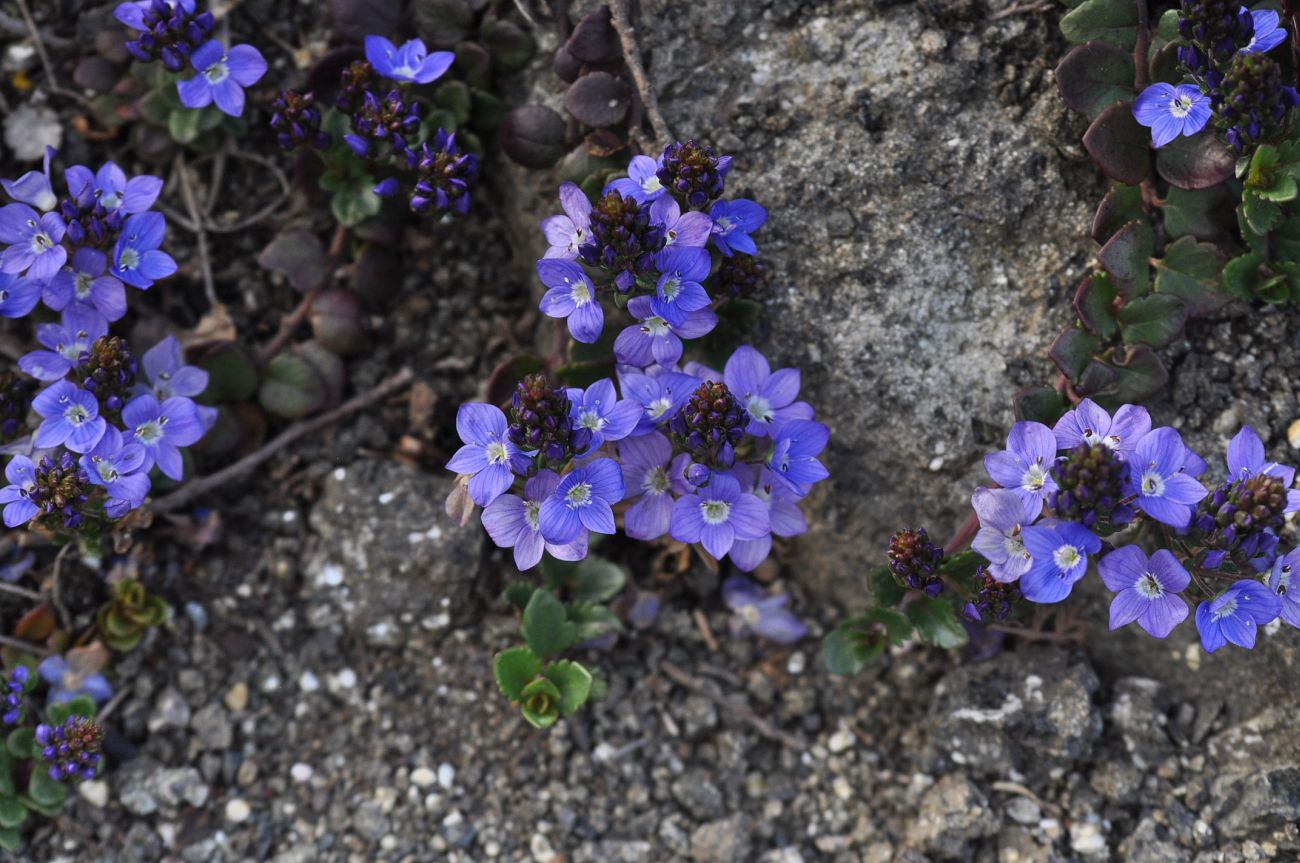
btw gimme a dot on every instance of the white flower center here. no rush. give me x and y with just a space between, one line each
672 288
76 414
656 481
41 242
1148 587
217 72
655 327
1034 477
1153 484
1015 546
149 433
532 514
107 472
497 452
760 409
579 291
589 419
715 511
750 614
111 201
81 285
129 259
651 184
1228 609
659 407
1179 106
1067 557
579 495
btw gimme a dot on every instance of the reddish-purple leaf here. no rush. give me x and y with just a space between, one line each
1197 162
1119 144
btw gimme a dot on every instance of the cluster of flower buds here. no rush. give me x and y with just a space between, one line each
540 422
914 560
296 121
15 699
993 599
1059 495
445 176
710 426
71 748
694 172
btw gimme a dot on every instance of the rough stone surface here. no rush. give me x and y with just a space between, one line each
388 556
952 813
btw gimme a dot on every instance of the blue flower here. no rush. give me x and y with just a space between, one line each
655 340
66 683
1060 551
599 410
71 417
161 428
35 242
566 233
1157 476
718 515
1171 111
1146 590
692 228
1025 466
642 181
768 397
793 460
85 284
1281 581
109 188
1234 615
222 77
168 376
136 257
68 342
412 62
661 393
18 295
515 523
1268 32
766 616
583 499
120 468
488 456
17 496
651 475
1089 423
34 188
1003 516
733 222
571 296
680 290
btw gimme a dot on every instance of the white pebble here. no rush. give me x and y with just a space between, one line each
423 777
386 498
94 792
1293 434
347 678
238 810
446 775
308 682
797 662
301 772
840 740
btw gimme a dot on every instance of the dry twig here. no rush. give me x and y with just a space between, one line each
632 56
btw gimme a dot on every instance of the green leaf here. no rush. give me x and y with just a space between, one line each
11 840
1154 320
351 207
1286 240
6 773
592 620
510 46
57 713
1283 189
936 622
1263 215
1119 145
1072 350
1121 205
847 651
1094 76
82 705
184 125
961 566
454 97
21 742
547 628
1241 275
1094 302
1202 213
1139 374
574 683
1197 162
517 593
515 669
596 580
1191 270
1167 26
292 387
45 791
539 703
1040 404
1126 258
584 374
884 588
1113 21
12 813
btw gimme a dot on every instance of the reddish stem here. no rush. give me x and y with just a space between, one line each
964 534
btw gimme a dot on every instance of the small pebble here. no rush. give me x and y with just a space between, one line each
423 777
446 775
308 682
301 772
94 792
1293 434
237 697
238 810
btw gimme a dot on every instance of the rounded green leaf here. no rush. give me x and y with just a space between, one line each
1191 270
847 651
546 625
292 388
1114 21
574 683
10 839
1094 76
936 622
596 580
1154 320
45 792
21 742
1094 302
515 669
12 813
1072 350
1126 258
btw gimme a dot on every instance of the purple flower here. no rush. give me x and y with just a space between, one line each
1025 466
1279 581
68 344
1171 111
651 472
1246 459
1234 615
133 12
679 292
660 392
690 229
488 456
1145 590
1003 516
18 295
16 496
600 411
567 232
71 417
120 468
161 428
1060 550
766 616
1164 491
571 296
136 257
66 683
168 376
642 181
583 499
1089 423
412 62
72 748
110 188
654 340
35 242
718 515
34 188
768 397
222 77
14 700
733 222
1268 33
784 516
515 523
86 284
795 447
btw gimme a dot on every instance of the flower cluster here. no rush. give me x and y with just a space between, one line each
175 33
1113 487
1228 77
651 243
106 418
71 748
384 108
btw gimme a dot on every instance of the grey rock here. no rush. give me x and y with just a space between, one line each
133 783
177 786
388 554
952 814
369 820
698 796
212 726
170 710
724 841
1152 843
1255 767
1030 711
